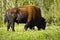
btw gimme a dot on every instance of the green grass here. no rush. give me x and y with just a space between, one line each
50 33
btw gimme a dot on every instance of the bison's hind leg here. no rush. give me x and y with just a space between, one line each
12 26
8 26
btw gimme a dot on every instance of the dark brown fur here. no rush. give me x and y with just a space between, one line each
31 15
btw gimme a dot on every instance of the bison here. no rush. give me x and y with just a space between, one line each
31 15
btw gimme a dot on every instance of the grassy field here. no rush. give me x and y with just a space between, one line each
50 33
50 11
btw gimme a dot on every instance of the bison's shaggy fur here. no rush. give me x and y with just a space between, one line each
31 15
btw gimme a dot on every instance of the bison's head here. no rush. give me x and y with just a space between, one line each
43 23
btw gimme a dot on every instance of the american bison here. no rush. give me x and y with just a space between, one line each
31 15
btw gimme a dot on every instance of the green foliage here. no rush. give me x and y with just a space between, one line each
51 11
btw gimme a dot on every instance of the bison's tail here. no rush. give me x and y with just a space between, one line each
4 18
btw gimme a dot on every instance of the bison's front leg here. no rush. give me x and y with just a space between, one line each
29 25
26 26
29 20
